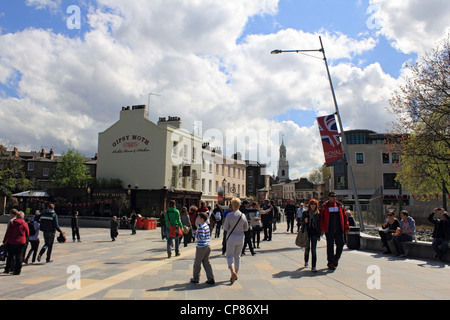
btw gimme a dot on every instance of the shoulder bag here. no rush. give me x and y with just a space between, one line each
228 236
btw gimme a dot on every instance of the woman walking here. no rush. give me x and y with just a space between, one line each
235 225
187 226
311 224
16 237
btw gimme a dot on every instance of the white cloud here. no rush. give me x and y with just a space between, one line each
413 26
51 5
72 88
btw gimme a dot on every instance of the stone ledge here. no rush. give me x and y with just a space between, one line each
419 249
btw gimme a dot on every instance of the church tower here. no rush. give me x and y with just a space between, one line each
283 164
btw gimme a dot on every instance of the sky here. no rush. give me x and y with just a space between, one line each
68 67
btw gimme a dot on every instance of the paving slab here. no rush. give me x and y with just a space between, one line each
136 267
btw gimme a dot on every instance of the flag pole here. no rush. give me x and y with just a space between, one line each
344 142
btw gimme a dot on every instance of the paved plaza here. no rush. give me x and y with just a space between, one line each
136 267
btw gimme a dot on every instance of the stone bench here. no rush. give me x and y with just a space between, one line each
415 249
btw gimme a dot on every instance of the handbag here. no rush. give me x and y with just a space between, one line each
302 239
186 229
175 232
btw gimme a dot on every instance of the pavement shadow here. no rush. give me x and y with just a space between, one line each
188 286
301 273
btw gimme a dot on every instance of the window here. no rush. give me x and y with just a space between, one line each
217 186
386 158
210 187
203 185
46 172
389 181
174 176
360 158
395 158
175 148
340 182
194 179
30 166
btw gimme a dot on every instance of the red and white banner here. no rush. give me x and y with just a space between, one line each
331 141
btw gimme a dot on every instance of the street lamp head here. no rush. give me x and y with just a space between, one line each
276 52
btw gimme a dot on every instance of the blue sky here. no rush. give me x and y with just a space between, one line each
205 61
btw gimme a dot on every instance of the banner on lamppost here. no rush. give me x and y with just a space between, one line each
331 141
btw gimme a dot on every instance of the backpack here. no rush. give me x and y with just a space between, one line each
31 227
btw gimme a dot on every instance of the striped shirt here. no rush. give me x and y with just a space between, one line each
203 235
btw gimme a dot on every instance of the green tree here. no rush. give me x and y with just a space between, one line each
421 133
12 175
71 171
319 176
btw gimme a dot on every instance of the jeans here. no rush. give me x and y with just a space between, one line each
312 245
399 239
170 242
49 238
34 250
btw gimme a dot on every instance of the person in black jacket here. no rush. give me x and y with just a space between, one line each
75 227
114 228
290 211
441 232
48 225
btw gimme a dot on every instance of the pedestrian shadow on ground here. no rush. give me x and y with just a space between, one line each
188 286
301 273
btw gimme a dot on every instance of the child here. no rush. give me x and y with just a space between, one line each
203 249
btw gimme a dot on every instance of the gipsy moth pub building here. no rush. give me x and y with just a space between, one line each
156 162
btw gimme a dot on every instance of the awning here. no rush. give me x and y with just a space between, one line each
32 194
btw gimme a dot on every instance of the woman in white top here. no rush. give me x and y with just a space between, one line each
235 224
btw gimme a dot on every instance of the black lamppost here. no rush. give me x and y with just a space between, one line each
344 143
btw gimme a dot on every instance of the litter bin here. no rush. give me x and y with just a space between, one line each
140 223
153 223
353 238
147 224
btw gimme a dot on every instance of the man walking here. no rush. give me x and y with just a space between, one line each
334 224
75 227
266 217
290 211
49 225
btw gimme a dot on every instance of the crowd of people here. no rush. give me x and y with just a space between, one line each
21 233
242 224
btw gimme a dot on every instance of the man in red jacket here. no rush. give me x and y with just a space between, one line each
334 224
15 239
